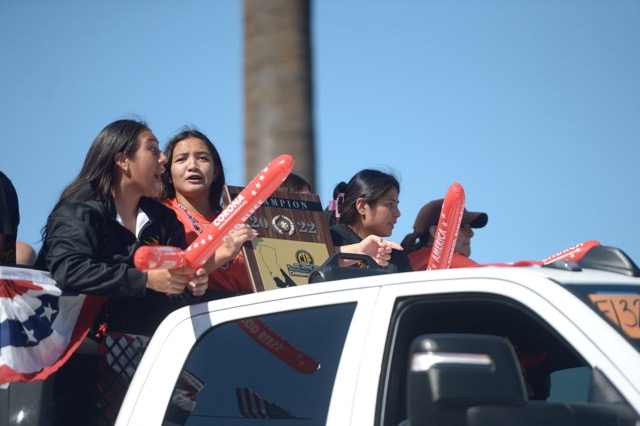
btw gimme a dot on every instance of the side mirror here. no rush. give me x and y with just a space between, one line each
448 373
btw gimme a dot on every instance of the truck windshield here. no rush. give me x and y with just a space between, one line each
619 304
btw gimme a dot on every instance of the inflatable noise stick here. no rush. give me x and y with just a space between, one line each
236 213
574 253
444 242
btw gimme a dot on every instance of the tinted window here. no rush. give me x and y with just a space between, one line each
279 366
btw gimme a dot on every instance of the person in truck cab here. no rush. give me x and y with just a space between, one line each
418 244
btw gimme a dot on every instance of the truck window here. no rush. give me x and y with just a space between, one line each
541 351
276 368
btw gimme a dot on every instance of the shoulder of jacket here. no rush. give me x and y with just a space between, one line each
80 209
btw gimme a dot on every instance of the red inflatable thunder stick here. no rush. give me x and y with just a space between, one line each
444 242
236 213
574 253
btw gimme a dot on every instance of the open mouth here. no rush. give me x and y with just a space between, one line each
194 179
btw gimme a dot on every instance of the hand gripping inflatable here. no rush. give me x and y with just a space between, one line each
236 213
159 257
444 242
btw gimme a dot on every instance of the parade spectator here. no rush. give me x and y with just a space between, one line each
419 243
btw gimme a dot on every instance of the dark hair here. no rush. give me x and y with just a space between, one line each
329 212
97 170
99 163
169 191
294 183
413 241
368 184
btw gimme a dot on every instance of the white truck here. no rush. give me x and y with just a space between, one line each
552 345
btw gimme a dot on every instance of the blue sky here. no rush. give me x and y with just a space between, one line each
533 106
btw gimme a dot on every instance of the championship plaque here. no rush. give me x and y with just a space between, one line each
293 239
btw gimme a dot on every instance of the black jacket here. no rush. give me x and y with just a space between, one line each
88 251
343 235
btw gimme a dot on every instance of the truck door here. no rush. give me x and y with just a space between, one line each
552 368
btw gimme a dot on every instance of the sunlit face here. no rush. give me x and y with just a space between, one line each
146 166
192 168
381 218
463 243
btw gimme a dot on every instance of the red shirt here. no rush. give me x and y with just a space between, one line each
420 258
231 276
